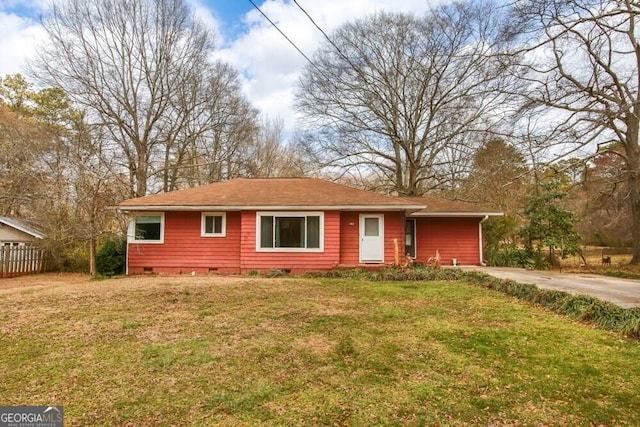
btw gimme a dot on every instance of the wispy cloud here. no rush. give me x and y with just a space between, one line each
20 35
269 65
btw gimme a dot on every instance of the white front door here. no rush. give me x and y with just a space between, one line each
371 238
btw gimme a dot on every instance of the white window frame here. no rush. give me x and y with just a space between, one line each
131 234
203 232
278 214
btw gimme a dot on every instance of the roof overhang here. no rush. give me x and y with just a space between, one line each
159 208
455 214
23 228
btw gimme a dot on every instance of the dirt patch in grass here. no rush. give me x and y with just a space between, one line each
213 350
52 280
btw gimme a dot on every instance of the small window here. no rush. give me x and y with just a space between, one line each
290 231
148 228
213 224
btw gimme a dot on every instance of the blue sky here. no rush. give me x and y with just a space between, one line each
229 13
268 64
229 9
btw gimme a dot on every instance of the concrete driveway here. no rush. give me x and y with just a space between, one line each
623 292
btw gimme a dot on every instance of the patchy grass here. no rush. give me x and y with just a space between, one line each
306 351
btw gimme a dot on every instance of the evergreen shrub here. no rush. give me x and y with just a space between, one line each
111 257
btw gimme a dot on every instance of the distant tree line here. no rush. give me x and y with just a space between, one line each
500 105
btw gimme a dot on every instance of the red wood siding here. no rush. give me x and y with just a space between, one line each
251 259
184 250
454 237
393 229
350 236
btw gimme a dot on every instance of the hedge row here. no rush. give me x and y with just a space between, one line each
393 274
604 314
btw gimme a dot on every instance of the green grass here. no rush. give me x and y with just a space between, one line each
308 351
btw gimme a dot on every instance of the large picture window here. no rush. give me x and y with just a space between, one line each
148 228
290 231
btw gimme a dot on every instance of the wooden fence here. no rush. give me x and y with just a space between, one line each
21 260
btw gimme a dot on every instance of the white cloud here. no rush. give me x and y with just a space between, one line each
19 36
207 17
271 66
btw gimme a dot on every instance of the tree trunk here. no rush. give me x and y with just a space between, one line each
633 169
92 256
633 166
141 175
635 213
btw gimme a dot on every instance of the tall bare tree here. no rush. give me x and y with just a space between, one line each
19 152
397 95
498 178
607 212
583 78
130 64
210 146
267 156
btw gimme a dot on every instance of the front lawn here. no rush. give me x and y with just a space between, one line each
149 351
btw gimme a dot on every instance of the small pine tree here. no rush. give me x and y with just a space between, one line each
550 225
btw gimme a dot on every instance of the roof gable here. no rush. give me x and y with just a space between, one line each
18 225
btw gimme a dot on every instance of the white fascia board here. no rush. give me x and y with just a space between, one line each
455 214
20 227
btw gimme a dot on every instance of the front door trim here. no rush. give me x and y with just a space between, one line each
371 248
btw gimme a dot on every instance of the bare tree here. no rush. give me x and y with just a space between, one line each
210 146
498 178
19 153
604 193
396 96
583 77
268 156
129 63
